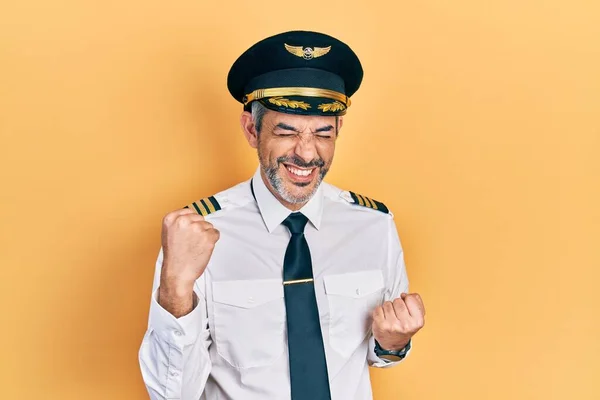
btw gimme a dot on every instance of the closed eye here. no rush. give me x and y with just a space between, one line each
324 132
327 128
285 130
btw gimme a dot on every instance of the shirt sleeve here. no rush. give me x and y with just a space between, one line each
174 358
396 283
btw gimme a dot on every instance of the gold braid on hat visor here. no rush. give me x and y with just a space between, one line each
296 91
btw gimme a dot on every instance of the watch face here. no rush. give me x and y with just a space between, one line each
391 357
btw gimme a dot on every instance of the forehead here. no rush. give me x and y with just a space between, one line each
274 117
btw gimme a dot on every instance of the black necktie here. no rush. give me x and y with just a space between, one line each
308 367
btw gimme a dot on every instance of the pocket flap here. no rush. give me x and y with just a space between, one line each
247 294
355 284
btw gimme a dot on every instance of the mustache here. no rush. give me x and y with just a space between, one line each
297 161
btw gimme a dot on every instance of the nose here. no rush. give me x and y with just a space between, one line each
305 147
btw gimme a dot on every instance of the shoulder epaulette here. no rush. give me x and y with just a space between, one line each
369 203
205 206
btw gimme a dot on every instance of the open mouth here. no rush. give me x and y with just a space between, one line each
301 175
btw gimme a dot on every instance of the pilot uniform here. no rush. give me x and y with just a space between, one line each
258 331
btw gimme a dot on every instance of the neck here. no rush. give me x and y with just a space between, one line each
286 204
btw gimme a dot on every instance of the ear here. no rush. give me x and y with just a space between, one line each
249 129
340 123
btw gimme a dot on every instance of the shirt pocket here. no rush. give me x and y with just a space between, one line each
249 318
352 297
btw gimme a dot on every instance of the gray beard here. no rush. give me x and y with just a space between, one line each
271 171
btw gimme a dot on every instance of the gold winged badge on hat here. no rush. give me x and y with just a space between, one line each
308 53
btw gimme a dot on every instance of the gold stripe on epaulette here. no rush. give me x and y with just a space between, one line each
209 204
205 206
373 204
361 200
199 206
368 202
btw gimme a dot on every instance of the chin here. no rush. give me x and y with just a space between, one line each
299 192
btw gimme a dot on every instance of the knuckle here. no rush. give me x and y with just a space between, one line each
416 325
399 302
169 218
182 221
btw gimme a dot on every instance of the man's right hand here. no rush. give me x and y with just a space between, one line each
188 242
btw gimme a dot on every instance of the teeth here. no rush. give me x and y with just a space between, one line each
300 172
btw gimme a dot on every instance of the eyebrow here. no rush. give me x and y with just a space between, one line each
286 127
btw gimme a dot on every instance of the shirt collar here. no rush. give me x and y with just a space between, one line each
274 213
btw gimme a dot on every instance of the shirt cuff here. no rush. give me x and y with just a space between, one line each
176 331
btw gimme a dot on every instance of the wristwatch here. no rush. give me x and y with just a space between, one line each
391 355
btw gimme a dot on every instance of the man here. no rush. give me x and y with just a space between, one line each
282 286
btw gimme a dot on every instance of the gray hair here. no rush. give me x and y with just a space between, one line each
258 112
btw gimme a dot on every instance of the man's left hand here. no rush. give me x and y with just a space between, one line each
395 322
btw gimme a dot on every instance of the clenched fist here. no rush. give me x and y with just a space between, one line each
188 242
395 322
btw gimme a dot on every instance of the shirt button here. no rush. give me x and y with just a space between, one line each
358 292
174 374
250 299
177 333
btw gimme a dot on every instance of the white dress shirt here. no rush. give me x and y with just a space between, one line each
233 345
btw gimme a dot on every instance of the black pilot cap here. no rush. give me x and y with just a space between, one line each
297 72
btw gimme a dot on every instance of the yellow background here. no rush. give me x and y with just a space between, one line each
478 124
